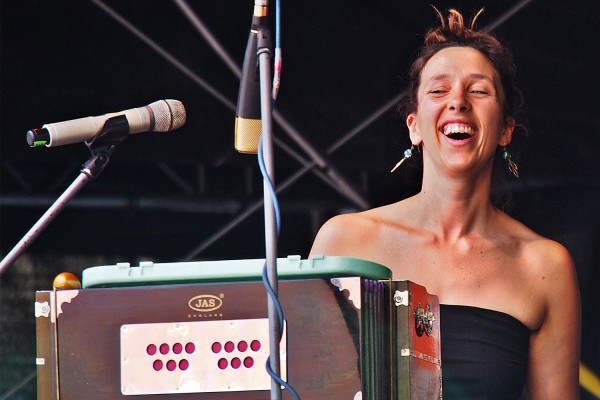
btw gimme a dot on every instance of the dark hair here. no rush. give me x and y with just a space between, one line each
454 33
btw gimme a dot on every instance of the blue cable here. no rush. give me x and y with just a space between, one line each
267 178
273 192
265 277
271 373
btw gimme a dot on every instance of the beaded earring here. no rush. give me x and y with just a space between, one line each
511 164
408 153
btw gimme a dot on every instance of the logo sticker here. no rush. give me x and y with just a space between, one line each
205 303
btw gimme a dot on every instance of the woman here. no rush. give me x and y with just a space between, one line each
510 309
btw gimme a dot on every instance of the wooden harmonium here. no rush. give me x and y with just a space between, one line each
200 330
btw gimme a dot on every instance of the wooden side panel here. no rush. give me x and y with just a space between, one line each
47 366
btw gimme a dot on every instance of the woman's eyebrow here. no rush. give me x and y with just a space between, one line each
444 76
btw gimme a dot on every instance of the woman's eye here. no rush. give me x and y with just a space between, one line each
479 91
438 91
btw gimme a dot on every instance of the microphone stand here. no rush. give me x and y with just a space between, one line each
114 131
264 62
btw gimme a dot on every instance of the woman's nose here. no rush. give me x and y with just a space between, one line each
458 101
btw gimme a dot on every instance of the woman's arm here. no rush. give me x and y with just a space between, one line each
555 347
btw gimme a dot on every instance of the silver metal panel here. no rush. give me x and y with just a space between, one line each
197 357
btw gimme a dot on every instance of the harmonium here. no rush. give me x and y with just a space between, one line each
200 330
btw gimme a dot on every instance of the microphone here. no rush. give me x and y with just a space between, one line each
248 122
160 116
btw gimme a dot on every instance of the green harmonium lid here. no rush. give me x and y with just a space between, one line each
292 267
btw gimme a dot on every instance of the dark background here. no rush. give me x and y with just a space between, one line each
185 195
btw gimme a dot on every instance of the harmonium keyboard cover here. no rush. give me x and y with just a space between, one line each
200 330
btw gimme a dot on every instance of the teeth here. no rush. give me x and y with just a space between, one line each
457 128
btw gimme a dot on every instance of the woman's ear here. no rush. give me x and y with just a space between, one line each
507 132
411 123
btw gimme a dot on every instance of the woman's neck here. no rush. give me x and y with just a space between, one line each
454 207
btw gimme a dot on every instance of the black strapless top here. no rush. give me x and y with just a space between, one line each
484 354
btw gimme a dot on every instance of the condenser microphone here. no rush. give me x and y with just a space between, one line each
248 122
160 116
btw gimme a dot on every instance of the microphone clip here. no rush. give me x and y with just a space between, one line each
114 131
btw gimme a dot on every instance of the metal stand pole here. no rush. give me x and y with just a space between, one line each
264 62
79 182
114 131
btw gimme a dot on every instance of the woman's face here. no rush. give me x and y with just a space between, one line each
459 118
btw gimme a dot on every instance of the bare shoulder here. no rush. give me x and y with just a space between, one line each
344 235
546 257
553 271
550 255
550 269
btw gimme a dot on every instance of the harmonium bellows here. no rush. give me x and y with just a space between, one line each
200 330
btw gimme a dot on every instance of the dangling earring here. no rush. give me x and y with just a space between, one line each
511 164
408 153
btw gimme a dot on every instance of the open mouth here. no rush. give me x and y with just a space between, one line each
459 136
458 131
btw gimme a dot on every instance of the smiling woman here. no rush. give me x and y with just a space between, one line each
510 309
460 110
453 34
